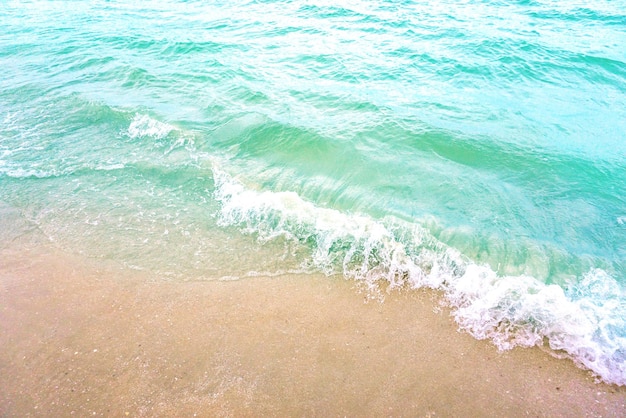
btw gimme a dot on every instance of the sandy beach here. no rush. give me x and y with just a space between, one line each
82 338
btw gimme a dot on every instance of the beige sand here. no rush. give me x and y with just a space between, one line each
83 338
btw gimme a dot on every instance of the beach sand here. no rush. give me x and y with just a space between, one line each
85 337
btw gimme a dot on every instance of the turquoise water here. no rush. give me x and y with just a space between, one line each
477 147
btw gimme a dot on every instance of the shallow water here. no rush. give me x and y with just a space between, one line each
476 147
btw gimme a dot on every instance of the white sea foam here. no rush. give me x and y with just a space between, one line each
586 323
144 125
109 166
18 172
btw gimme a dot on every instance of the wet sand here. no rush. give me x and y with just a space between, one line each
82 337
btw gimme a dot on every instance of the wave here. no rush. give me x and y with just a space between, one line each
84 136
144 125
585 321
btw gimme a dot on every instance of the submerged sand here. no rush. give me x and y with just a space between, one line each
84 337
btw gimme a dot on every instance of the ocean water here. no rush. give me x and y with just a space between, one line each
476 147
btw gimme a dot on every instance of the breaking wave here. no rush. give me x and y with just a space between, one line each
584 321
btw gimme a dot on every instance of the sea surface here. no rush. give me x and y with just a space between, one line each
475 147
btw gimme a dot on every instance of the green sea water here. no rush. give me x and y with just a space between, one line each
477 147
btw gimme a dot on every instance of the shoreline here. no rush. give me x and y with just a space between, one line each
86 337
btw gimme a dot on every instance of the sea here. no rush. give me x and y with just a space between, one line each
474 147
